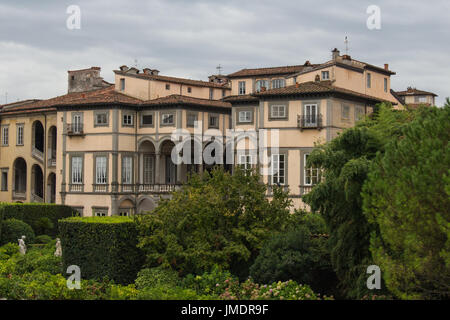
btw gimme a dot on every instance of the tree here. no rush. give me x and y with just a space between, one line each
217 218
407 197
301 254
345 163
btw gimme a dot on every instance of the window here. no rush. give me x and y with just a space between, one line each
295 80
224 93
19 134
78 211
211 93
77 123
147 120
278 83
278 169
419 99
359 113
191 118
100 212
245 116
127 170
100 170
245 160
127 120
101 118
345 111
77 170
167 86
262 84
278 111
213 121
4 179
167 119
5 135
369 80
325 75
189 90
241 87
310 114
122 84
149 165
385 85
311 173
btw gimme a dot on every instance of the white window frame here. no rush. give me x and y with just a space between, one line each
275 111
19 137
306 113
127 170
245 119
77 123
246 161
278 83
77 170
278 173
261 83
5 135
310 172
101 170
241 87
327 73
166 116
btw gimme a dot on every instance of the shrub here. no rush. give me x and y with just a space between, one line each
101 247
209 283
35 214
149 278
168 293
41 259
13 229
43 239
8 250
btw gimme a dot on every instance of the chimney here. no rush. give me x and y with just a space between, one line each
335 53
346 57
84 80
386 66
155 72
124 68
147 71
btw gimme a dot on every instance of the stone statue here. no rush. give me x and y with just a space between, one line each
58 251
22 245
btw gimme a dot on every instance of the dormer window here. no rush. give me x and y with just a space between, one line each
325 75
261 84
278 83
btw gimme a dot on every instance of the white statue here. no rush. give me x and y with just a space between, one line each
58 251
22 245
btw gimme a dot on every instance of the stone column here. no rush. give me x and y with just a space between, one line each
157 168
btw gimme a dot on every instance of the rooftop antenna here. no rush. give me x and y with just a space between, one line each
219 69
6 97
136 63
346 45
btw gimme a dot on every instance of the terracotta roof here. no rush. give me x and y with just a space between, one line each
179 99
191 82
414 91
270 71
241 98
396 96
101 96
313 87
18 103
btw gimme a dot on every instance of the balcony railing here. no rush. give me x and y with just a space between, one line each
19 195
128 188
157 188
102 188
75 129
305 190
309 121
76 187
36 198
38 154
52 162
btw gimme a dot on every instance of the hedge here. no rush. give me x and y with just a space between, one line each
102 247
13 230
37 215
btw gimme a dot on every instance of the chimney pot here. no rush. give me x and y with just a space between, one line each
335 53
386 66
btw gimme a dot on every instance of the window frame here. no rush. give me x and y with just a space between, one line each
242 88
278 117
325 72
345 115
258 85
72 157
4 182
282 83
96 114
191 114
250 111
127 114
170 113
127 156
305 170
369 80
5 137
20 142
213 116
385 85
141 117
277 176
95 167
308 121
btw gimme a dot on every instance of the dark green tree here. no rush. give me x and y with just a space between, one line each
215 219
345 163
407 197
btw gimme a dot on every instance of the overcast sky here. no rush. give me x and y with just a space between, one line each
189 38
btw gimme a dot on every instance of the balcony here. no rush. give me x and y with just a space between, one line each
309 122
77 187
305 190
157 188
100 188
75 129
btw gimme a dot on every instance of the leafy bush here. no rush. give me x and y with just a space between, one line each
43 239
101 247
13 229
149 278
217 218
162 292
8 250
209 283
297 255
34 214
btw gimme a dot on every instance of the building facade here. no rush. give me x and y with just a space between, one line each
106 149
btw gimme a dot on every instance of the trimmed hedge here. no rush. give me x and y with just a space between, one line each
13 230
42 217
102 247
